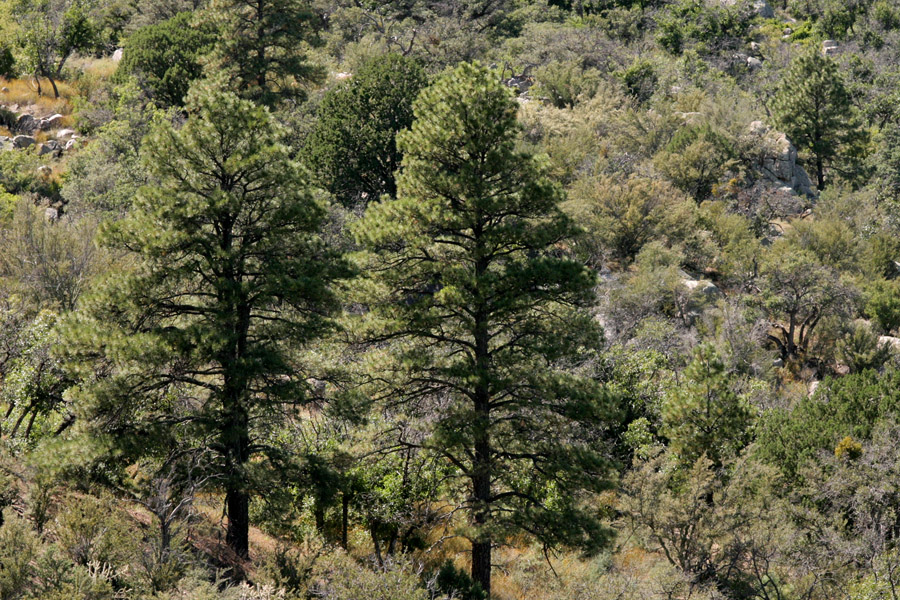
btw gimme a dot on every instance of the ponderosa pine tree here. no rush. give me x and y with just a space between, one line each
352 150
262 46
815 110
193 346
484 316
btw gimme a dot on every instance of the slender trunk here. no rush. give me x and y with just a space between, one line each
392 542
373 531
345 513
55 89
261 46
236 442
37 80
319 515
820 173
482 457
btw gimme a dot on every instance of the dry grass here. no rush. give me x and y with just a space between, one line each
24 93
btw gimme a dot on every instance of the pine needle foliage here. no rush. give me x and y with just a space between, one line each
193 346
490 345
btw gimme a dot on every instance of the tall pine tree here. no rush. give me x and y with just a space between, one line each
262 47
192 347
484 316
814 108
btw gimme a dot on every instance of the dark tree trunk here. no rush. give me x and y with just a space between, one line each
481 565
319 514
237 504
345 514
53 84
820 174
236 442
482 457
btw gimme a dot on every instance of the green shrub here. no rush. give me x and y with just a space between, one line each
90 530
696 159
339 577
861 350
853 406
165 58
456 583
886 15
640 80
564 83
18 547
883 304
7 62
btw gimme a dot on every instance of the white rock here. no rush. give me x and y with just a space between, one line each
117 55
64 133
51 122
893 342
753 62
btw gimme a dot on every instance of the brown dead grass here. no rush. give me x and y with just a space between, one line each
24 93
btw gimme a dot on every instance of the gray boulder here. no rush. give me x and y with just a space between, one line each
22 141
776 159
51 122
26 124
51 147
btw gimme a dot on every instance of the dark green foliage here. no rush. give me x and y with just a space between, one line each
261 47
704 416
482 310
457 584
848 406
711 27
230 278
351 151
640 80
7 62
883 304
813 107
696 159
165 58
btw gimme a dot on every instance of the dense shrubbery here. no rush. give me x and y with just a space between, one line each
303 301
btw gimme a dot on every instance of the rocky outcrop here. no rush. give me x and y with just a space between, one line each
776 159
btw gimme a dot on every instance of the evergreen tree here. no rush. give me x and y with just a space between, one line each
815 110
261 47
352 150
193 345
484 315
166 57
704 416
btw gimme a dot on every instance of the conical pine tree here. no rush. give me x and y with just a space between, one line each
193 347
486 322
814 108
